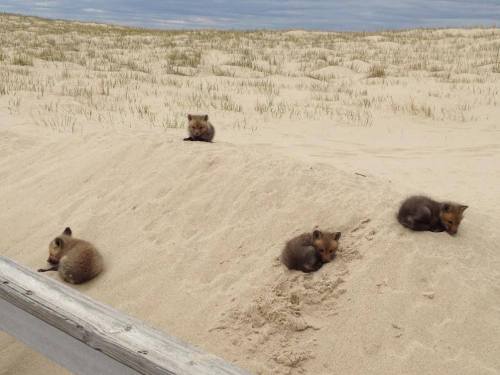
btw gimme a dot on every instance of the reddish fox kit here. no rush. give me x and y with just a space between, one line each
200 129
76 260
309 251
422 213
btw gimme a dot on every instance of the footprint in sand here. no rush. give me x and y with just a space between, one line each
364 230
371 234
361 225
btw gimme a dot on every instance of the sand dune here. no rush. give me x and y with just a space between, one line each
191 232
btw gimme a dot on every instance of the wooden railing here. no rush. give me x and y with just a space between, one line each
88 337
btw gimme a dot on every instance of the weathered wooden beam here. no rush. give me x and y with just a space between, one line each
56 345
57 314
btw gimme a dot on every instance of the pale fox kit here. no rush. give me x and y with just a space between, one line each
424 214
200 129
76 260
309 251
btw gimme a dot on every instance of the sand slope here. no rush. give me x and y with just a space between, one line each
191 233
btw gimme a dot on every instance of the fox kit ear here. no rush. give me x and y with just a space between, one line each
317 234
205 118
463 208
190 117
67 231
446 207
59 242
337 236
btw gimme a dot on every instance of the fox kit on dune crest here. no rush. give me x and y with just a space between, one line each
200 129
424 214
309 251
76 260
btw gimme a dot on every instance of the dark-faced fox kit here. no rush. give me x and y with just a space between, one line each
422 213
200 129
309 251
76 260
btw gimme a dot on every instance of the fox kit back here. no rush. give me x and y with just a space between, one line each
76 260
200 129
424 214
309 251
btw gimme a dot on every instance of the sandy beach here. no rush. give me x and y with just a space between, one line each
312 129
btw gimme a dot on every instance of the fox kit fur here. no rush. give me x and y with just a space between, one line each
309 251
200 129
76 260
422 213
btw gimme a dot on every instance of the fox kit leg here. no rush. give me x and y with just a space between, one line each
189 139
53 268
311 262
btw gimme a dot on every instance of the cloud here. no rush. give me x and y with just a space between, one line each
45 4
166 22
93 10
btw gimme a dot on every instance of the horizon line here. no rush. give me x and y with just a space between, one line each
118 24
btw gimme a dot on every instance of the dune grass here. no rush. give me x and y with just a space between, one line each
117 75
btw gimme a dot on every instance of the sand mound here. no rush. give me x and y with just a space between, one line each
191 233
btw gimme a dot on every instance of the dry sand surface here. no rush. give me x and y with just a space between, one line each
91 122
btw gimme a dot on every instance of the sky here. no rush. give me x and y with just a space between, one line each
341 15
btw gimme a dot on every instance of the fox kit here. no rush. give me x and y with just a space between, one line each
422 213
200 129
76 260
309 251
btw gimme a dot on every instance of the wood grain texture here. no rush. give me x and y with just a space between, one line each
125 339
56 345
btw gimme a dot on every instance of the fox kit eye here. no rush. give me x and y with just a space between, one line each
450 222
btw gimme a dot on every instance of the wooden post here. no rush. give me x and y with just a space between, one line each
88 337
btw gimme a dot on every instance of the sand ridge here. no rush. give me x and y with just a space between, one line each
183 218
